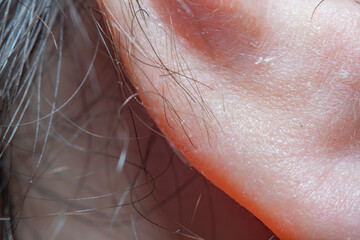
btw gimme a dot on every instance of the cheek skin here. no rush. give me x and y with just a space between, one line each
275 125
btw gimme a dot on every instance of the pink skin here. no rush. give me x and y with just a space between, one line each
273 116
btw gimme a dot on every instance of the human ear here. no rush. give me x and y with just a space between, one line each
261 97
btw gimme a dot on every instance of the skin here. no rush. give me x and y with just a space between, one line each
261 97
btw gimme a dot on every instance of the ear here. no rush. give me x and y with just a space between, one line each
261 97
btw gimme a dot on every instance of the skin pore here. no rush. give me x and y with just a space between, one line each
261 97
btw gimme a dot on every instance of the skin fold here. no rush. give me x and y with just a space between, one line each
261 97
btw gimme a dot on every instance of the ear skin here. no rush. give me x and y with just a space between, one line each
282 140
219 31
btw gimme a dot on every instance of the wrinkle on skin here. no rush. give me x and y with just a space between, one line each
281 136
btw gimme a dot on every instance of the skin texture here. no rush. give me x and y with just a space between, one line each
261 97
